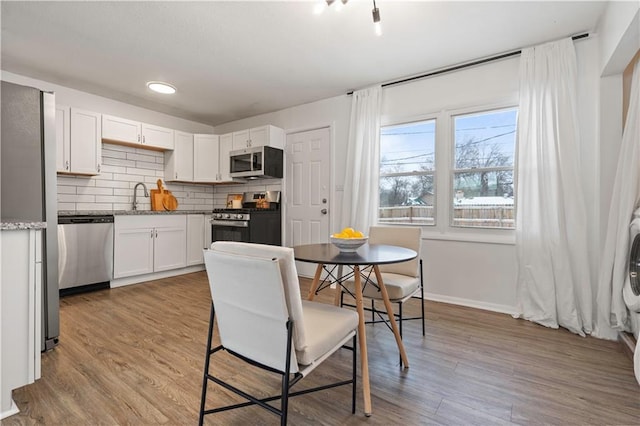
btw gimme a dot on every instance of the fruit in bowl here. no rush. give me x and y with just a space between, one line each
348 240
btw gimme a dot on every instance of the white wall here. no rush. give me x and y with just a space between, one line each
619 30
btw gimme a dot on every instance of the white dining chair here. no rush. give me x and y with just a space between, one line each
262 320
403 281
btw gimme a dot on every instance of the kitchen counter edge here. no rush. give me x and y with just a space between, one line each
20 226
127 212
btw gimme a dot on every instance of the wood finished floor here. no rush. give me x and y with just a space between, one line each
134 355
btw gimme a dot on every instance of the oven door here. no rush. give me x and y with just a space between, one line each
230 230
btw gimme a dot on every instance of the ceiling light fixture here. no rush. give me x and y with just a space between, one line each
376 19
161 87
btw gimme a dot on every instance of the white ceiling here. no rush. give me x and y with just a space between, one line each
235 59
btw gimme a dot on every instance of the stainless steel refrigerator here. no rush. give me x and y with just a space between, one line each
28 182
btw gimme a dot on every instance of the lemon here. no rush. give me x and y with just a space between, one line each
358 234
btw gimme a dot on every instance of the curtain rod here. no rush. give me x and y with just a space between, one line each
466 65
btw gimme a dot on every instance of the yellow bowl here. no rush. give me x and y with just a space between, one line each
348 245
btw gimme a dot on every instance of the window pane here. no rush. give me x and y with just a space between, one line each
408 147
407 199
483 199
486 139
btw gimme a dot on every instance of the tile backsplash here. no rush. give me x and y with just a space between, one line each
123 167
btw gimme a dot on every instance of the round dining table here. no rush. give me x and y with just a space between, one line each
368 255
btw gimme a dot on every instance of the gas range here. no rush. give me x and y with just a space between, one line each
258 221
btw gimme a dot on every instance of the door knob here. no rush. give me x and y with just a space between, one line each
324 201
323 211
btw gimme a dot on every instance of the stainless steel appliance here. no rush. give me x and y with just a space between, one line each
85 253
258 221
256 163
29 192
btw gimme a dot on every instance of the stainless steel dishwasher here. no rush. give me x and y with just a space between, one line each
85 253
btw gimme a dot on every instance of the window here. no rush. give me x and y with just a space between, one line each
483 193
407 173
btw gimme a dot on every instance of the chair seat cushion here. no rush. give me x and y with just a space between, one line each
325 326
398 286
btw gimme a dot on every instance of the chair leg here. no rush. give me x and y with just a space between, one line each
373 311
284 407
354 375
205 379
400 314
422 296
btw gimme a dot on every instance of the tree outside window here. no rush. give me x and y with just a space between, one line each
407 168
483 192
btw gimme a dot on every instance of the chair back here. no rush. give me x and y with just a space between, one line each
255 290
403 236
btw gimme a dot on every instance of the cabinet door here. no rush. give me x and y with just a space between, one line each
195 239
86 146
179 162
170 248
226 146
241 139
259 136
157 137
205 158
121 129
63 139
133 252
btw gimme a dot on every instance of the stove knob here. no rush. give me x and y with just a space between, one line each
217 216
227 216
239 216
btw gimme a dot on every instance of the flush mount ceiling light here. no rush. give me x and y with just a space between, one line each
161 87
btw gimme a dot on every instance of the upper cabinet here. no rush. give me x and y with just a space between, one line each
259 136
179 162
129 132
205 158
79 149
225 147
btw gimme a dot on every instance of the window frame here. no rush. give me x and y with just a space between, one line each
433 172
452 114
443 175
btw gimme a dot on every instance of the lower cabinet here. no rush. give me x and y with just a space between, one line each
196 238
20 311
149 243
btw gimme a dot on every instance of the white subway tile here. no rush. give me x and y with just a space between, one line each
95 191
93 206
63 189
66 206
74 198
112 184
141 157
113 162
111 199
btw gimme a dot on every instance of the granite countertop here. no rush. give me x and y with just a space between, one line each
128 212
19 225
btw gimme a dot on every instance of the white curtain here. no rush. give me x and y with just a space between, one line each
551 236
625 198
360 197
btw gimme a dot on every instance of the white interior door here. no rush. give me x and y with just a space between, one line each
307 190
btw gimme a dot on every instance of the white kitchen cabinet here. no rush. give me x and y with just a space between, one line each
144 244
196 242
259 136
225 147
179 162
78 141
157 137
205 158
118 129
129 132
21 313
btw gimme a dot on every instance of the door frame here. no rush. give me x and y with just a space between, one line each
332 190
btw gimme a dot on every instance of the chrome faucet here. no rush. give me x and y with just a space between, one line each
135 190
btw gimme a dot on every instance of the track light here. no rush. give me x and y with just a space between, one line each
376 19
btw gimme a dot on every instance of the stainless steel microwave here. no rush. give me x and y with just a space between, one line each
258 162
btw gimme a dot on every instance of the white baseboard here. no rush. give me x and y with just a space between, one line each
13 409
494 307
155 276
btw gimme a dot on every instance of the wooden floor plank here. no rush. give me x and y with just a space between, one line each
134 355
